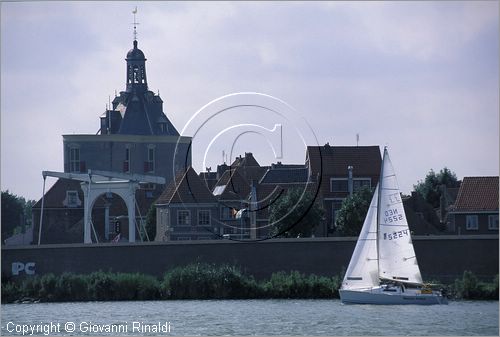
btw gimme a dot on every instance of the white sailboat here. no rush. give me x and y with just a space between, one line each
383 267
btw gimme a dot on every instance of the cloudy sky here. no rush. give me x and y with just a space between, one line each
420 77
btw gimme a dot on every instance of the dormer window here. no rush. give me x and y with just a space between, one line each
72 199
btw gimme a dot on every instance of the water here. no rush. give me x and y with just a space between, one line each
256 317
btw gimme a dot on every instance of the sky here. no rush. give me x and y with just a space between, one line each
419 77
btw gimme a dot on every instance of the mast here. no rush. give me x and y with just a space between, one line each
378 211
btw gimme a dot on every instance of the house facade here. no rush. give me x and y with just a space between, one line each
341 171
242 193
476 208
187 210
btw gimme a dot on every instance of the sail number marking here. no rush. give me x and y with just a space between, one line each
392 215
396 235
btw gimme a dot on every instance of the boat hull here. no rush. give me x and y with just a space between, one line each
376 296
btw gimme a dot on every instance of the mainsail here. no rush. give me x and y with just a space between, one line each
397 260
363 270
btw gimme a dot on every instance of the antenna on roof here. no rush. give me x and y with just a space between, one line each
135 23
357 139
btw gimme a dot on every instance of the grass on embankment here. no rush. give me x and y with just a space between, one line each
201 281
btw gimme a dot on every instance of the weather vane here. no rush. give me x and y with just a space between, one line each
135 23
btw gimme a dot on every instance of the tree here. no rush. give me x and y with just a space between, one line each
430 188
16 212
295 214
351 215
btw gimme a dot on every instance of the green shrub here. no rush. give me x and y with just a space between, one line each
203 281
71 287
469 287
101 286
10 292
206 281
297 285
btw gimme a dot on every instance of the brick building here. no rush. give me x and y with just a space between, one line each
135 137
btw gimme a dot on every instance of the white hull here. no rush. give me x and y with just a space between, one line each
377 296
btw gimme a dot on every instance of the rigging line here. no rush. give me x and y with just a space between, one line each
138 230
87 202
41 212
93 229
140 215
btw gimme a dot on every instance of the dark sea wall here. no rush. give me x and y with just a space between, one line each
442 258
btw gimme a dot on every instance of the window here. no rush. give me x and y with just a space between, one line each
359 183
493 222
471 222
74 159
203 217
126 162
183 217
72 199
149 165
338 185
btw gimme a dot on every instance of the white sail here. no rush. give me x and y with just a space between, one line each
397 260
363 268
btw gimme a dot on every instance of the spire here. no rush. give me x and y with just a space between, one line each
136 65
135 25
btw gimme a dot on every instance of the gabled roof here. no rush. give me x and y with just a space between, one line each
187 187
55 196
365 160
285 175
232 186
209 178
252 173
248 160
477 194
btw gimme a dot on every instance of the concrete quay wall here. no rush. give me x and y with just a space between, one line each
440 257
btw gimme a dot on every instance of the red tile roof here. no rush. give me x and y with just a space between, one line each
477 194
236 186
365 160
187 187
248 160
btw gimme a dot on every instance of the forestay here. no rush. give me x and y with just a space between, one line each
397 260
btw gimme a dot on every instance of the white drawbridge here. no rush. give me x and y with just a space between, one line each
95 183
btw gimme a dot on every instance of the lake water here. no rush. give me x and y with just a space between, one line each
250 317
